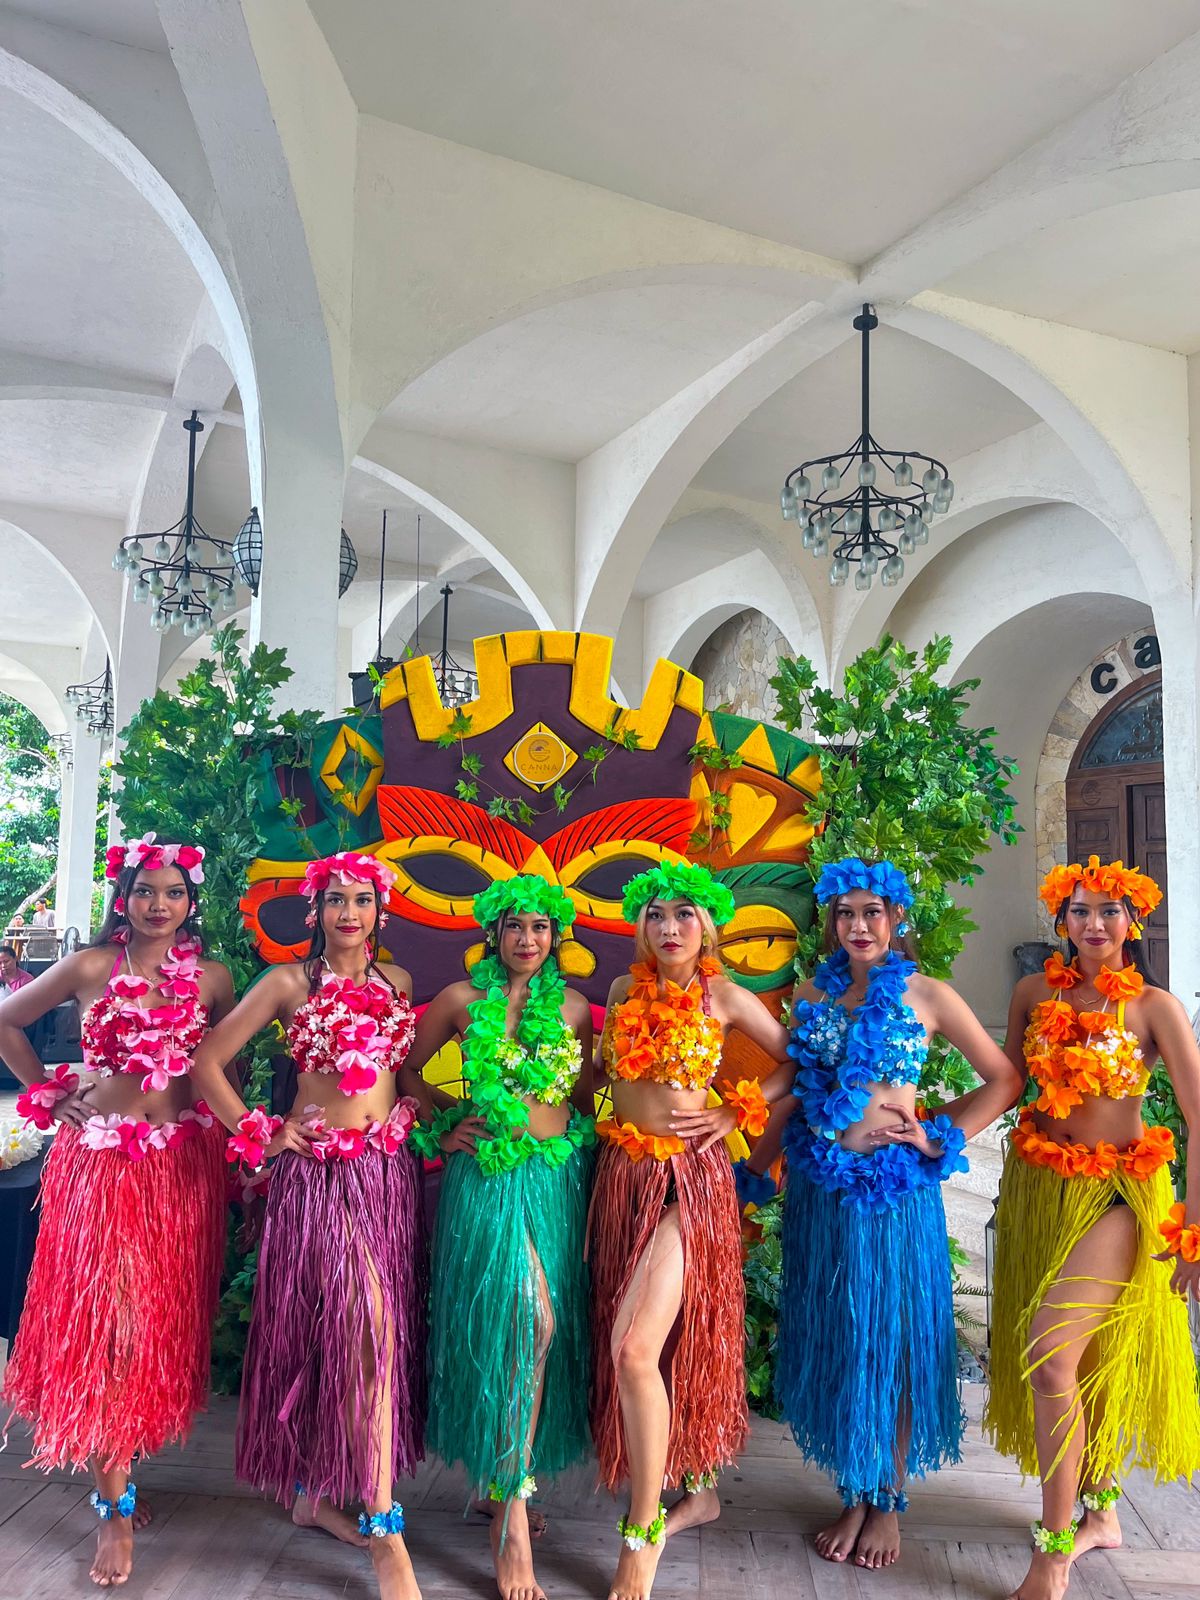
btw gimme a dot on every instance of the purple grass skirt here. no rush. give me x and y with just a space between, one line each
340 1292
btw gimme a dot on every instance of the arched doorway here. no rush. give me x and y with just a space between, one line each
1115 797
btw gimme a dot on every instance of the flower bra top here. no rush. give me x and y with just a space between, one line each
356 1029
840 1055
542 1063
1071 1054
119 1034
662 1033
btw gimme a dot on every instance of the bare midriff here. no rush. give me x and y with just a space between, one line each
652 1106
121 1095
857 1135
1116 1122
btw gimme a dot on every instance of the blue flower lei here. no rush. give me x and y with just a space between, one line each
834 1100
879 877
875 1180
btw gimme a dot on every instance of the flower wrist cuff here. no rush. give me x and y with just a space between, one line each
952 1140
637 1537
37 1103
749 1104
1181 1239
753 1188
254 1133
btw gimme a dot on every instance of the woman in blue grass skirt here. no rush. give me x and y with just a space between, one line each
867 1353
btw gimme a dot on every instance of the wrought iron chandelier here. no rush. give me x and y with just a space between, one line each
886 511
364 685
93 702
456 685
186 590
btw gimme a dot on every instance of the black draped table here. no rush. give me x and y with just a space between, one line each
18 1231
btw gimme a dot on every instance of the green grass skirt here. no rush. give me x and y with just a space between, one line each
509 1283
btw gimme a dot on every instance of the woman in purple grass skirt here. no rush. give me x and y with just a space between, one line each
333 1395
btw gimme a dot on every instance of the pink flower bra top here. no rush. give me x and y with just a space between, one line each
120 1034
356 1029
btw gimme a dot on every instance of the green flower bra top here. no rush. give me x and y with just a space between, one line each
542 1062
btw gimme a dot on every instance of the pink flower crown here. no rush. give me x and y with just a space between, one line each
151 856
348 867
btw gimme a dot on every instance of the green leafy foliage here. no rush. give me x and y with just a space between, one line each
763 1272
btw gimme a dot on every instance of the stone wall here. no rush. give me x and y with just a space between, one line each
736 663
1129 659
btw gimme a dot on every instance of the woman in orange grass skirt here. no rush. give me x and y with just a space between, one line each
1092 1367
668 1402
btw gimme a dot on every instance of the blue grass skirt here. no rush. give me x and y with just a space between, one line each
866 1328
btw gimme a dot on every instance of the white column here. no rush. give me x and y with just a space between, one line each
1181 782
135 677
77 835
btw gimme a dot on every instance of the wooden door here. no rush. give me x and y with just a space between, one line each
1148 829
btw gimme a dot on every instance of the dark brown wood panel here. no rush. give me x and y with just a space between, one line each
1148 850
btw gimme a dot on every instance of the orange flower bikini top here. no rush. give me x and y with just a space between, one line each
669 1037
1075 1054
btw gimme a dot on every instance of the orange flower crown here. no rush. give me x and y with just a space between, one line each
1116 880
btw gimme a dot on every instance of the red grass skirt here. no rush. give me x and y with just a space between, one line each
706 1370
111 1356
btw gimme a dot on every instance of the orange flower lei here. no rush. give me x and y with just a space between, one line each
1181 1239
1141 1160
1075 1054
1116 880
636 1144
666 1038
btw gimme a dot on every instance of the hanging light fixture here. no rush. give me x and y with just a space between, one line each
185 573
456 685
93 702
64 750
248 548
871 507
364 686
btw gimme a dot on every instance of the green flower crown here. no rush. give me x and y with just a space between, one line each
678 880
526 893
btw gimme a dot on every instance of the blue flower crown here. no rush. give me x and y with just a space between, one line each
880 877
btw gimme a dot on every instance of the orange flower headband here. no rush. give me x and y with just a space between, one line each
1116 880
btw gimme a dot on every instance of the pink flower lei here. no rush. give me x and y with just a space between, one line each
147 853
359 1030
157 1041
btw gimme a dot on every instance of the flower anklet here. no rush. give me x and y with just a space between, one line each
525 1490
698 1482
1100 1499
637 1537
124 1505
380 1523
1052 1542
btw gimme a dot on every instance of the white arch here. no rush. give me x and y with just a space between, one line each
41 543
114 147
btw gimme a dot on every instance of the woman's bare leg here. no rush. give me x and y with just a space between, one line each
114 1541
393 1569
1062 1328
643 1325
512 1551
879 1541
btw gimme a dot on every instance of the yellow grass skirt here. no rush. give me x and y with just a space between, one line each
1138 1379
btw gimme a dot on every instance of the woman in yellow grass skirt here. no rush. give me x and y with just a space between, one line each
1092 1367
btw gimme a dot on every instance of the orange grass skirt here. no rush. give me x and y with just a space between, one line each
705 1359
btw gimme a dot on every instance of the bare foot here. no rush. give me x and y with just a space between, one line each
836 1543
634 1576
693 1510
1046 1579
114 1553
397 1580
512 1554
321 1514
1099 1530
879 1541
493 1508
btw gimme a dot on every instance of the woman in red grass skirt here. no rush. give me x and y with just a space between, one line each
333 1394
664 1231
111 1358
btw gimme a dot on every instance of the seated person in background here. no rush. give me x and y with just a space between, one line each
12 975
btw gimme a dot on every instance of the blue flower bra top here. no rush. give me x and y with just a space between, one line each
840 1054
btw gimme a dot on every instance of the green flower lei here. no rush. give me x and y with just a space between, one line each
543 1061
678 880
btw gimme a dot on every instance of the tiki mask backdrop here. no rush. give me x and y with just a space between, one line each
589 793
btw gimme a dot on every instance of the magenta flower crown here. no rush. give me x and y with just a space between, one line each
348 867
148 854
